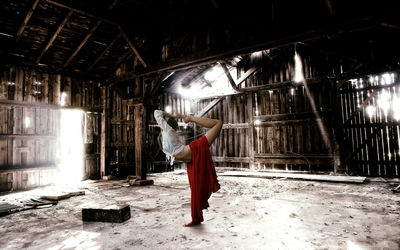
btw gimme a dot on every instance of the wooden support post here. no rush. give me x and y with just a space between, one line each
83 43
19 84
28 16
103 135
251 128
57 90
54 36
67 89
140 142
337 131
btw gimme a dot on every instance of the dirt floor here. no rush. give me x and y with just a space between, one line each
247 213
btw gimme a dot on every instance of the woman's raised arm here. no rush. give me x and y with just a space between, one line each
214 126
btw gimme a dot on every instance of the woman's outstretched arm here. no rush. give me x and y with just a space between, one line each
214 126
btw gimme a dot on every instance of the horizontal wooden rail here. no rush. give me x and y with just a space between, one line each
47 106
291 116
294 159
231 159
27 136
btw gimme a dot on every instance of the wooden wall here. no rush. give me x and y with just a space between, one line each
283 127
370 127
320 125
121 157
29 124
270 123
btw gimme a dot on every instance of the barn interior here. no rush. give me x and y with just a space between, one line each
308 92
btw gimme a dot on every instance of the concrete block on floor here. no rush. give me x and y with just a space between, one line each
112 213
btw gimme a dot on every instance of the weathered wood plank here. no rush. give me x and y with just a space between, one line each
311 177
26 20
56 33
83 43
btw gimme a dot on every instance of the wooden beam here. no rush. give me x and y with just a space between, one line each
215 4
26 20
279 40
245 76
80 11
365 103
103 132
235 125
228 74
250 142
132 47
331 7
294 159
362 145
126 55
27 136
231 159
60 27
104 51
287 122
46 105
298 176
292 116
112 5
209 106
156 82
83 43
140 131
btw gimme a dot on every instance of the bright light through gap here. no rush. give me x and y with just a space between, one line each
70 168
298 69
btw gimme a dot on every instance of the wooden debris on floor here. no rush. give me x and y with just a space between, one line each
7 208
63 196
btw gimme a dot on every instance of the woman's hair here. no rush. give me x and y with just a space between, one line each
171 122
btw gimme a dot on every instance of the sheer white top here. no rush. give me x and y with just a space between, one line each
170 140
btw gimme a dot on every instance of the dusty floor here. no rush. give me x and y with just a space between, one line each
247 213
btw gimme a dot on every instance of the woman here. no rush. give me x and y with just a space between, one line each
200 167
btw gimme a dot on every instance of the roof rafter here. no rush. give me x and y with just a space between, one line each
331 7
133 47
81 11
104 51
82 43
26 20
54 36
125 56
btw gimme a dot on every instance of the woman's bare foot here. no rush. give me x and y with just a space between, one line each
216 188
193 223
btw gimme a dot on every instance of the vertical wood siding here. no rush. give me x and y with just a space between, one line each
29 124
371 141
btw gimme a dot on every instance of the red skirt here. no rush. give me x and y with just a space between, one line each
202 178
